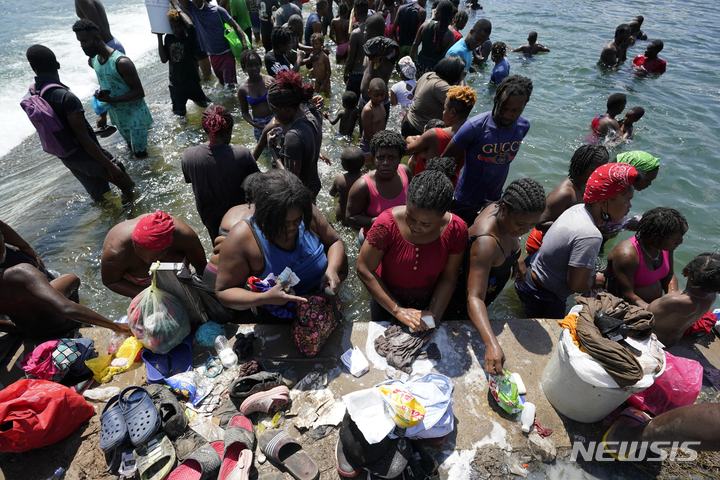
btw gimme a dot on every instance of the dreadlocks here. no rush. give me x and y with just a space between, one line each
512 85
523 196
497 51
659 223
703 272
248 55
288 90
217 120
584 157
444 15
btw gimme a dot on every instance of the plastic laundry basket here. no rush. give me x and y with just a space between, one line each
574 397
157 13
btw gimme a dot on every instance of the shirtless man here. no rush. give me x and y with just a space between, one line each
532 47
675 312
131 247
373 116
354 68
339 33
42 309
94 11
615 52
605 123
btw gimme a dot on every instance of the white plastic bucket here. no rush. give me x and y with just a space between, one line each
157 13
574 397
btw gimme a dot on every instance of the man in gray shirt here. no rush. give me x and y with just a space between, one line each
286 10
565 263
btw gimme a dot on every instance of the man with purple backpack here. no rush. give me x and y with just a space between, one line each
59 118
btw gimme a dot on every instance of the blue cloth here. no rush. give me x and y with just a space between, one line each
461 48
207 333
209 29
538 302
489 150
307 260
500 71
116 45
314 17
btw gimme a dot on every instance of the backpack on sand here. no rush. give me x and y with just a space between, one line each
54 137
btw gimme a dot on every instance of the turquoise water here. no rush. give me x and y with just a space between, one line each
49 208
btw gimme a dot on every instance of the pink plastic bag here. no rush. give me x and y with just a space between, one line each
39 363
679 385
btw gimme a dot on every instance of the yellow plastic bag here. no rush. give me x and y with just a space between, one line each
103 372
408 411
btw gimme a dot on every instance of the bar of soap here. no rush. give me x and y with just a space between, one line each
429 320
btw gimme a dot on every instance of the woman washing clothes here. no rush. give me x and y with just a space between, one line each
383 188
495 254
285 230
253 92
640 269
412 255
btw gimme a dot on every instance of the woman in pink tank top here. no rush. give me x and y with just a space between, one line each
383 188
641 268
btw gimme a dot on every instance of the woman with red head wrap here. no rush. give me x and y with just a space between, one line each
132 246
565 263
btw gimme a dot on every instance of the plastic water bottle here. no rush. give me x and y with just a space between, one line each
527 417
59 473
227 356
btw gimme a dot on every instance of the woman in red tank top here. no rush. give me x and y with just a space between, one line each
458 105
383 188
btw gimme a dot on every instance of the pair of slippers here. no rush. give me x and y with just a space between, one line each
130 414
232 458
177 360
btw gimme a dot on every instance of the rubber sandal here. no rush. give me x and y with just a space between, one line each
239 448
141 416
630 412
345 467
113 430
287 455
259 382
173 420
106 131
156 458
264 401
203 464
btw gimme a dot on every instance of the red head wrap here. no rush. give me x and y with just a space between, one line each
609 180
154 231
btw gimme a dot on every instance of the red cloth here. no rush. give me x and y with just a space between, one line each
410 271
656 65
609 180
154 231
543 432
534 241
443 141
703 326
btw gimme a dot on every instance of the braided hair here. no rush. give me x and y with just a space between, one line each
584 157
497 51
659 223
432 189
280 36
460 20
217 120
512 85
248 55
522 196
388 139
703 272
444 15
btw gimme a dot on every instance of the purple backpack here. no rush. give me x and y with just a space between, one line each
54 136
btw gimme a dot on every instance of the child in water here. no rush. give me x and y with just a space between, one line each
253 92
320 64
373 116
352 160
348 116
502 66
179 49
626 124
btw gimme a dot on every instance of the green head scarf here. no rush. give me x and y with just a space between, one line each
642 161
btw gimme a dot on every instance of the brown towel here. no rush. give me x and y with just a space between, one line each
617 360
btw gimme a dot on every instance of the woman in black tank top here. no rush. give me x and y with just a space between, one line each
495 252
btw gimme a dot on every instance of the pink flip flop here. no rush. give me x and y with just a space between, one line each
238 451
264 401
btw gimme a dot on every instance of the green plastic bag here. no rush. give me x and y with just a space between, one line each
505 392
236 45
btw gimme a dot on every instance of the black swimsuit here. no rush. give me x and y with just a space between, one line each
498 275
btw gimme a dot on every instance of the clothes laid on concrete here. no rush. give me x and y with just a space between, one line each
401 348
